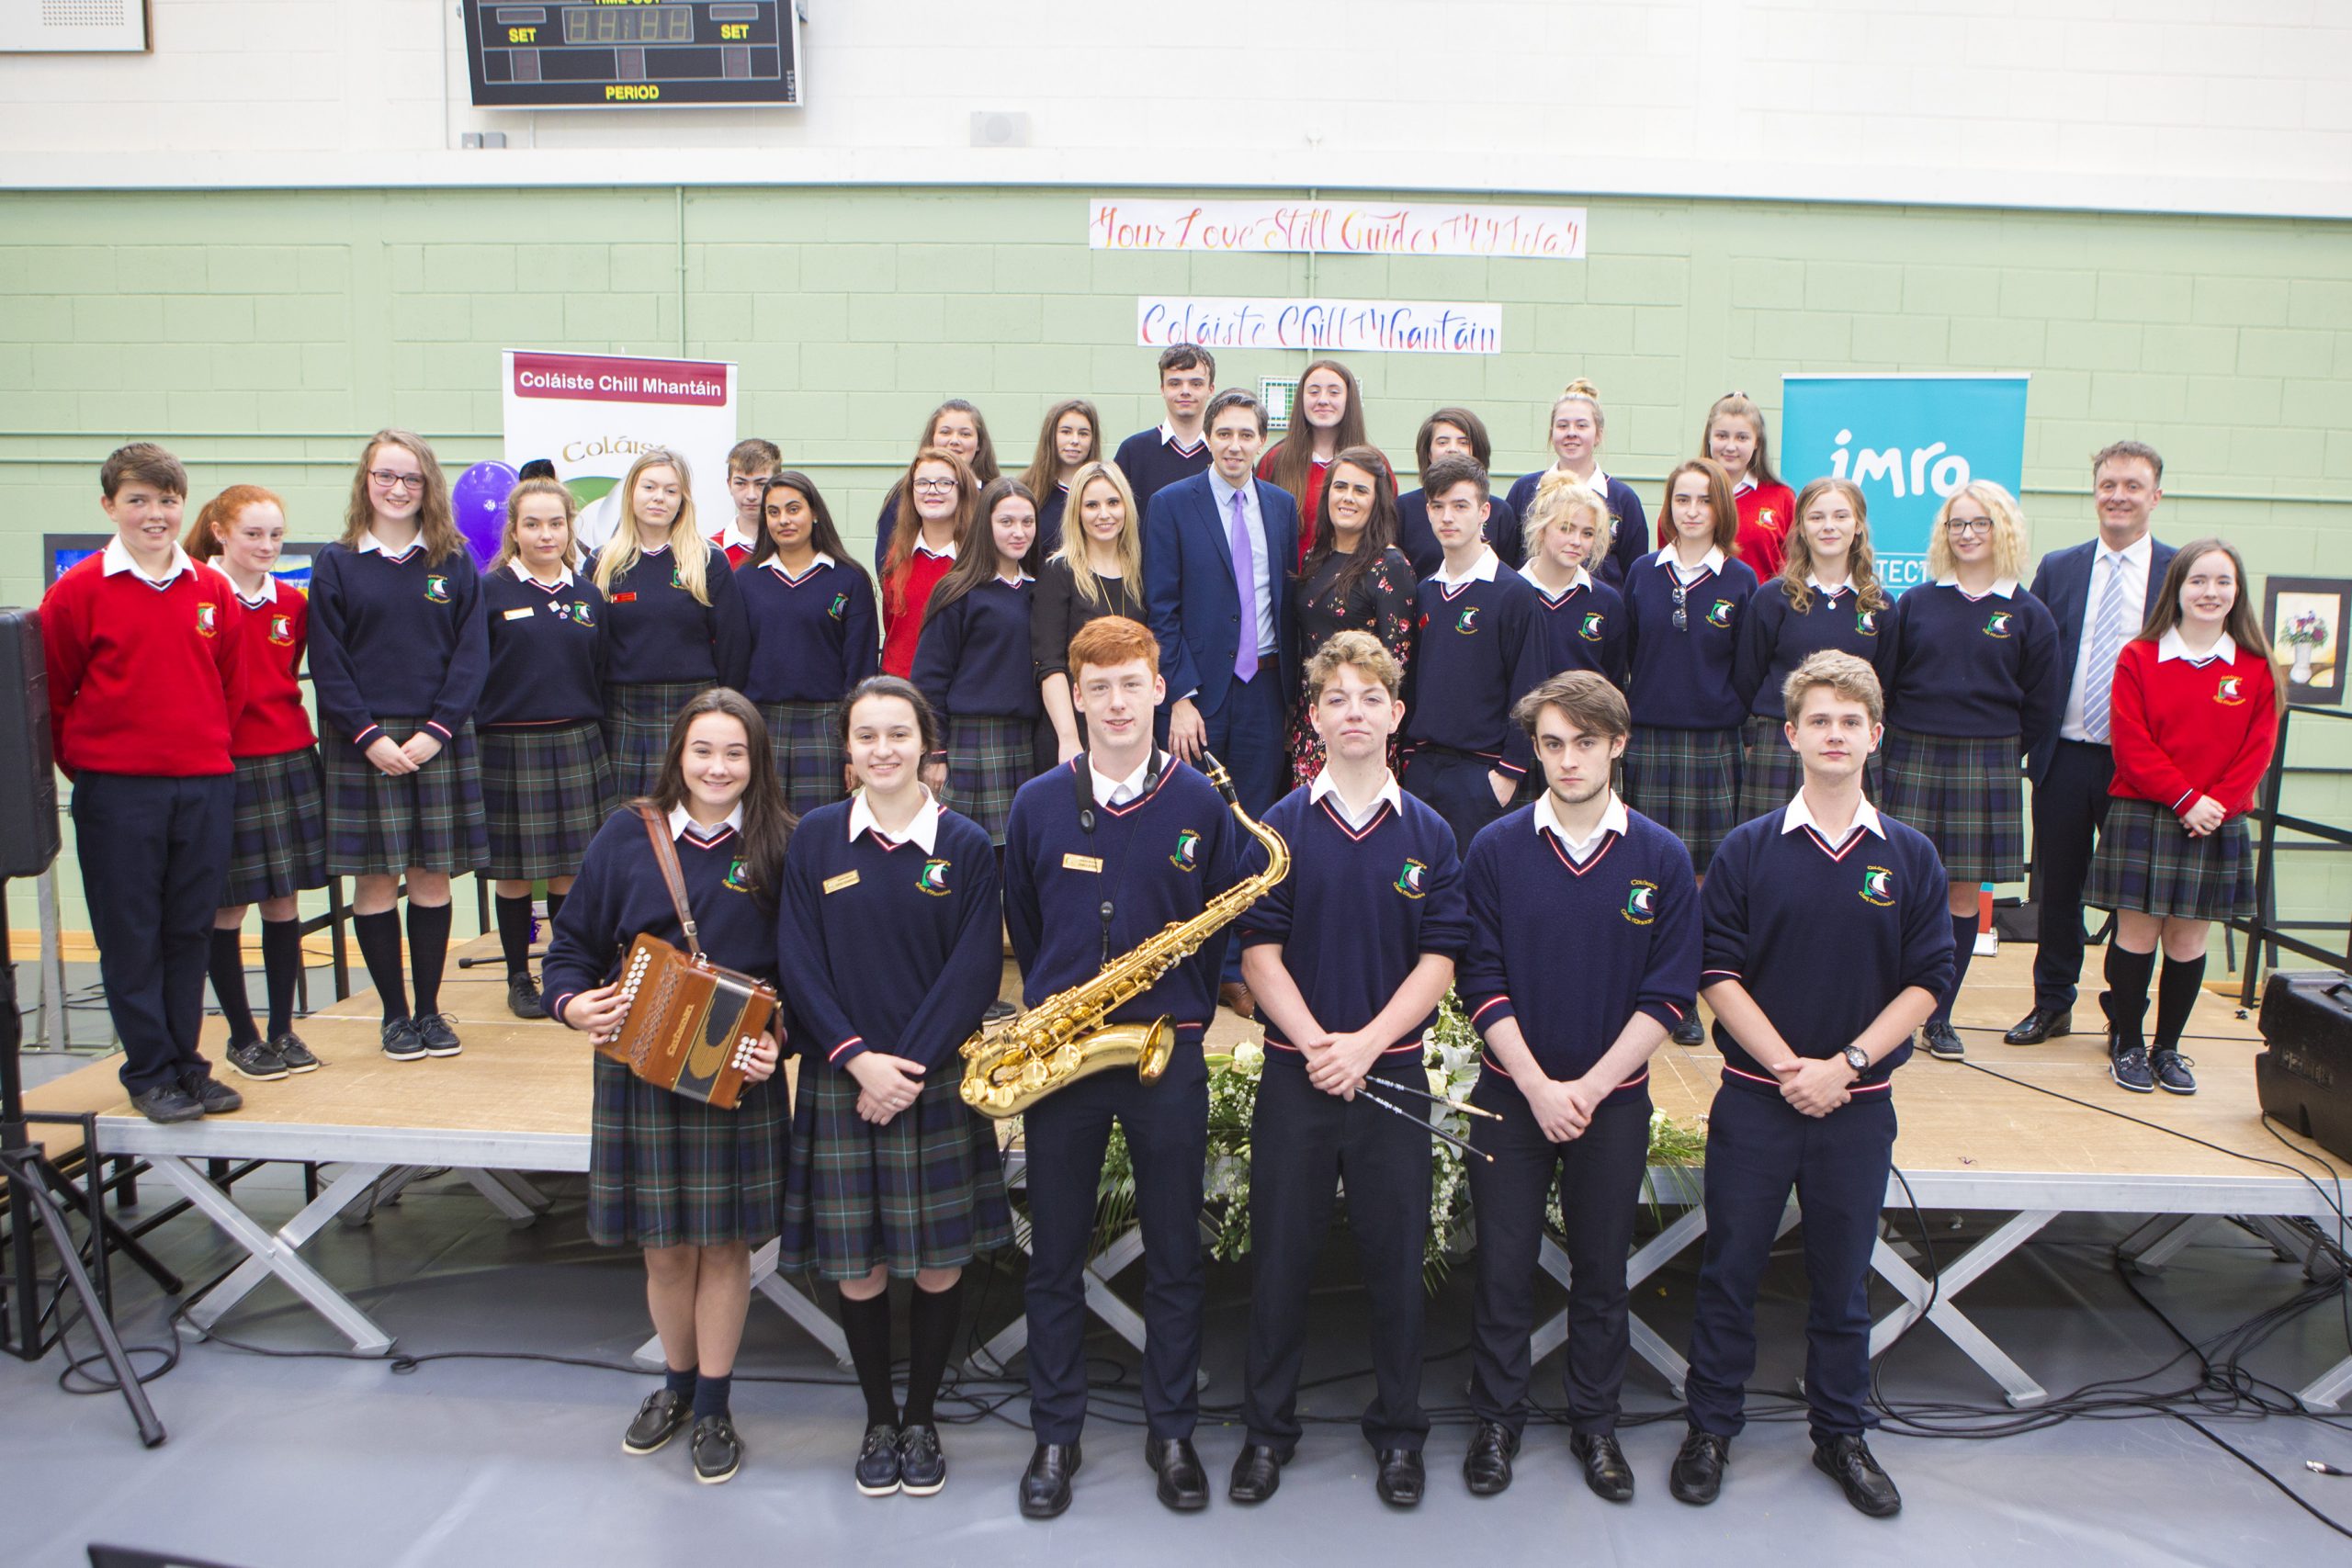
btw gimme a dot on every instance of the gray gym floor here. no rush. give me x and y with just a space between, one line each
316 1460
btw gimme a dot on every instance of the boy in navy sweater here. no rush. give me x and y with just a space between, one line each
1347 957
1178 447
1584 952
1825 944
1101 854
146 677
1481 650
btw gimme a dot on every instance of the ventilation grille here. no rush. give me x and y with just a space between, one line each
84 13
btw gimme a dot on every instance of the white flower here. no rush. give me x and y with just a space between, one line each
1249 1058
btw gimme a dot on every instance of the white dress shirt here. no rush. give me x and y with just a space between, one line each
2132 581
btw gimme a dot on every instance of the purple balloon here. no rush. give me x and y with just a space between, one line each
478 498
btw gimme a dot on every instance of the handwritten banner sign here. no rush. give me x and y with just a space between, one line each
1338 228
1331 326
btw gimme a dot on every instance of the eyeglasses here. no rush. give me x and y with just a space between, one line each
1968 525
935 486
387 479
1681 617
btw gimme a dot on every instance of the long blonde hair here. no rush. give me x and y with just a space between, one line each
1071 551
2009 531
508 547
436 522
1862 560
1560 496
1739 405
689 552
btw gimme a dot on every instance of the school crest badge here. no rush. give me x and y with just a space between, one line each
1466 623
1591 627
1719 615
436 588
281 631
839 607
1187 853
933 878
207 618
1764 516
675 580
1641 902
1408 881
1878 885
739 876
579 613
1997 623
2229 693
1866 622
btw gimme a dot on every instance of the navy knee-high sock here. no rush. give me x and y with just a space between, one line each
2126 998
228 968
867 1326
514 933
2175 995
379 947
428 952
1963 948
281 964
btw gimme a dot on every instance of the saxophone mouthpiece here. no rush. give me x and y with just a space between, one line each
1216 773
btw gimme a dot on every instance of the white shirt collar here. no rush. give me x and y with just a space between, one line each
1597 484
1800 814
270 588
733 534
2172 645
1547 819
680 818
117 559
371 545
2003 587
1746 482
1485 570
1843 585
1168 438
1016 579
1248 492
1583 579
1109 791
1712 561
775 565
524 572
923 830
2136 553
948 553
1388 795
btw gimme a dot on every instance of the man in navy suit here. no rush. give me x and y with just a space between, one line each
2099 591
1215 557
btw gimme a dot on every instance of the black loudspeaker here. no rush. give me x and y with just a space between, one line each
2303 1074
29 839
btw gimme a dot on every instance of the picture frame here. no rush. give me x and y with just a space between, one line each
2304 619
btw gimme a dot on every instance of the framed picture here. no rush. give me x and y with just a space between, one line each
2305 618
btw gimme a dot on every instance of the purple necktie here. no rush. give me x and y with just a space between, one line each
1245 583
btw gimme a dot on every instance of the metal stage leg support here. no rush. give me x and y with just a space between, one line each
510 1195
277 1253
2328 1392
2173 1233
796 1303
991 1358
1957 1276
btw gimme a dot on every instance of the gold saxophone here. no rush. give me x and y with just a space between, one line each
1064 1037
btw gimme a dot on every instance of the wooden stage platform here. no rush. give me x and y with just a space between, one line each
1971 1139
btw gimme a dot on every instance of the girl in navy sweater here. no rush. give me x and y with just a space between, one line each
1355 579
279 842
547 786
814 635
2193 713
975 667
954 428
675 624
1977 685
1577 426
1070 438
890 947
1448 432
397 659
1584 619
693 1186
1097 572
939 498
1827 595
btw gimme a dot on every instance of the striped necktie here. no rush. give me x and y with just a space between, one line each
2107 637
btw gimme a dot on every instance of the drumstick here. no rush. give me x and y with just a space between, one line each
1463 1106
1435 1131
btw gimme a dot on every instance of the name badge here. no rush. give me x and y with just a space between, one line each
522 614
1083 862
835 884
624 598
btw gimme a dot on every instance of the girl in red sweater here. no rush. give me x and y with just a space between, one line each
937 499
278 845
1330 420
1735 437
2194 712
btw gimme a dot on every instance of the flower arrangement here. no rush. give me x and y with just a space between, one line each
1452 1057
2308 629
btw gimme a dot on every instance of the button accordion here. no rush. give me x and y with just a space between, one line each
690 1026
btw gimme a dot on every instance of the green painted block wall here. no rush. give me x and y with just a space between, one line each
263 334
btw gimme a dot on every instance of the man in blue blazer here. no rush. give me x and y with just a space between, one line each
1216 557
2100 592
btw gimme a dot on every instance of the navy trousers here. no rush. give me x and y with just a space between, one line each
1599 1174
1456 786
1167 1129
1250 734
2069 813
1301 1143
1758 1149
155 857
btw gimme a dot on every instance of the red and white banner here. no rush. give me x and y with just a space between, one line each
591 414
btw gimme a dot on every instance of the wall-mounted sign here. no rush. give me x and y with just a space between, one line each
591 414
1338 228
1320 326
617 54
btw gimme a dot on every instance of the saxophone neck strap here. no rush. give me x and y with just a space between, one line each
665 855
1081 775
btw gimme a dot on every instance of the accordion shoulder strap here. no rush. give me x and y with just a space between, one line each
665 855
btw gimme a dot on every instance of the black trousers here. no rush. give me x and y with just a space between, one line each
2069 812
154 858
1599 1174
1456 786
1303 1141
1758 1150
1167 1131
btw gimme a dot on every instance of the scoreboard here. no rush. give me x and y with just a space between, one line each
631 53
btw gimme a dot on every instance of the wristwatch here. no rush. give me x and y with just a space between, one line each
1858 1059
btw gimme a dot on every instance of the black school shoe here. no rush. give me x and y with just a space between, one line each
1485 1468
1402 1478
217 1098
1689 1031
2129 1067
401 1042
1848 1461
1605 1470
523 997
877 1461
1045 1486
2172 1074
659 1418
922 1467
1698 1474
439 1031
166 1102
1943 1042
254 1060
719 1452
294 1053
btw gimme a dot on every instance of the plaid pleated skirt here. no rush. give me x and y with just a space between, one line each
638 721
379 826
664 1171
1687 782
924 1190
989 759
1965 795
806 740
546 788
2148 863
278 845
